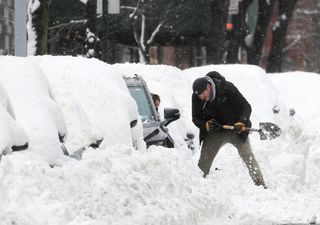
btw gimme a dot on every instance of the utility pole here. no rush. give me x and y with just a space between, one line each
20 28
104 29
108 7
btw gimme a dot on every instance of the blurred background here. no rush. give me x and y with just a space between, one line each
277 35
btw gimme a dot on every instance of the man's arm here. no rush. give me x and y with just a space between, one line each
197 113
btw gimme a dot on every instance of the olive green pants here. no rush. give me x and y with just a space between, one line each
215 140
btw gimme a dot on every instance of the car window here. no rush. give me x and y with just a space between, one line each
139 95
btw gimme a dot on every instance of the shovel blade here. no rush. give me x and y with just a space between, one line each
269 131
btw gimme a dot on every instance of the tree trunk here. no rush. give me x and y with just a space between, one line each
147 55
215 45
143 48
39 20
91 15
264 16
143 57
238 32
92 42
279 31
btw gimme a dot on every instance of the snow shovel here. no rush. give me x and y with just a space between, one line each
267 130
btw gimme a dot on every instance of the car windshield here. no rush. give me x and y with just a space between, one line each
139 95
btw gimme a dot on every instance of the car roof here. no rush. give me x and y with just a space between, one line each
135 80
138 81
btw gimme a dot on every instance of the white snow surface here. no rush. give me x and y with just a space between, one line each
11 133
117 184
34 104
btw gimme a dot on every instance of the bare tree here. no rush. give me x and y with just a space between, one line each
74 34
279 31
141 16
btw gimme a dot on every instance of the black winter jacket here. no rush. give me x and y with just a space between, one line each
228 107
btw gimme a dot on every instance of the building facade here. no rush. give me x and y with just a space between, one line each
6 27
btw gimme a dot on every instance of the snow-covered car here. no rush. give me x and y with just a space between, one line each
81 132
36 109
87 89
12 135
155 131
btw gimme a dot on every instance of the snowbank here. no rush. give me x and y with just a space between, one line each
120 185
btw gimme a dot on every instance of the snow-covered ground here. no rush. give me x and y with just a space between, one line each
116 184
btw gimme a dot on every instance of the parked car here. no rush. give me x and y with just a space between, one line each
155 131
81 132
12 135
36 109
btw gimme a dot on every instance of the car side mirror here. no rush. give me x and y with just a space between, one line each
133 123
190 136
170 115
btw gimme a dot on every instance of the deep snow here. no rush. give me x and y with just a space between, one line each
117 184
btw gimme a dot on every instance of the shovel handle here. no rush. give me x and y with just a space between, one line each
228 127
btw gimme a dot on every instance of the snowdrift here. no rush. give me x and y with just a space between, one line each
117 184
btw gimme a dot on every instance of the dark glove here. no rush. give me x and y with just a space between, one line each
238 127
212 125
